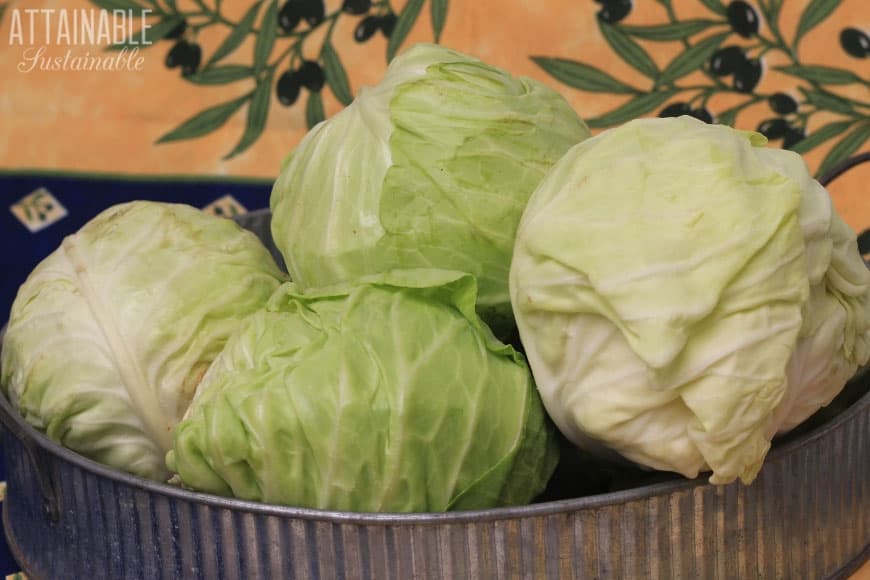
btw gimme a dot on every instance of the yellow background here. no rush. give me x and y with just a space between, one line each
109 121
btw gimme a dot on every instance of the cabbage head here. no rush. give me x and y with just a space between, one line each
109 335
684 293
385 395
430 168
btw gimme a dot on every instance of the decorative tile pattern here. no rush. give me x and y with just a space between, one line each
226 206
38 210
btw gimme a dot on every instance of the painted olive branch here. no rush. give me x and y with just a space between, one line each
278 30
706 48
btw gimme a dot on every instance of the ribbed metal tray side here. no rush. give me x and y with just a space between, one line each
806 516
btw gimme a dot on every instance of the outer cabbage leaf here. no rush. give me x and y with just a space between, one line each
386 395
109 336
684 293
430 168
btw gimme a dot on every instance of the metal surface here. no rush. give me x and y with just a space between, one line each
806 516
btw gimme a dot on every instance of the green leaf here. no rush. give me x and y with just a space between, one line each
335 74
813 15
314 110
267 35
205 121
714 6
258 112
770 10
153 34
117 4
848 145
632 109
728 116
3 8
828 101
237 36
692 59
221 75
821 135
581 76
630 51
673 31
439 17
820 74
403 26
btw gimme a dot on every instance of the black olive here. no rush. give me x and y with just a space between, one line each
287 88
743 18
746 76
727 60
675 110
782 103
774 128
612 11
177 54
366 28
792 137
864 242
356 6
310 76
289 17
702 114
192 59
178 31
388 23
313 11
855 42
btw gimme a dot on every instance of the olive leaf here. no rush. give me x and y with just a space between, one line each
335 74
152 34
630 51
267 35
633 108
820 74
672 31
813 15
847 145
117 4
205 121
692 58
403 27
820 135
235 38
258 111
3 8
829 101
221 75
714 5
581 76
728 116
314 110
438 10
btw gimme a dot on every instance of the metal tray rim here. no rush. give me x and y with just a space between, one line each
11 419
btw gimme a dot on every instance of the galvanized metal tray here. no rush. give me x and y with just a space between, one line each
806 516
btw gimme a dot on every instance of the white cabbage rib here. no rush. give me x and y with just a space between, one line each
143 396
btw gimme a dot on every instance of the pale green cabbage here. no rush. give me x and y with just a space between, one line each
110 334
684 293
388 394
430 168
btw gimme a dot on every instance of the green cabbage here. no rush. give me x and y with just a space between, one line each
388 394
684 293
110 334
430 168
